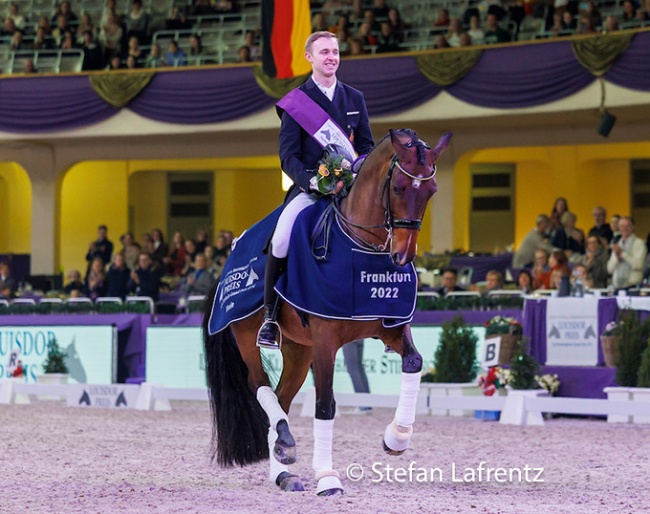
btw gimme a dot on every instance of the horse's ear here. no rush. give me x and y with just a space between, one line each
443 143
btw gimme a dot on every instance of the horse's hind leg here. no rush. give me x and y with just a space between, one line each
398 433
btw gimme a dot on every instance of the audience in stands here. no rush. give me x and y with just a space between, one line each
493 31
175 56
601 228
74 282
137 22
569 238
540 269
449 282
175 260
93 53
525 281
493 281
178 20
160 248
536 238
29 66
6 280
96 283
475 32
145 279
118 276
628 256
110 37
199 280
16 17
387 41
613 224
596 258
197 52
454 32
100 247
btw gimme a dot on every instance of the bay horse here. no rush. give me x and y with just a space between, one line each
382 213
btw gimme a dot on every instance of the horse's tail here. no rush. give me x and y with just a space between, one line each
239 424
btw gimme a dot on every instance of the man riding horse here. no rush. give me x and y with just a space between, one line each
346 127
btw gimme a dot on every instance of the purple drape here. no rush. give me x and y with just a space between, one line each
534 325
389 84
607 311
522 76
631 70
201 96
46 104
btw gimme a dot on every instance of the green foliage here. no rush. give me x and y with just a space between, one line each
643 376
631 346
523 368
455 303
455 357
55 361
429 375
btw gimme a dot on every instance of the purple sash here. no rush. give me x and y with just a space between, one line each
316 122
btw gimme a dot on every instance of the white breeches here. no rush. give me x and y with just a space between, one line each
282 234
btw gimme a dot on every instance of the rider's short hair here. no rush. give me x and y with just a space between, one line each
317 35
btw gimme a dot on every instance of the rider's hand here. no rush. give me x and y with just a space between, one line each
338 188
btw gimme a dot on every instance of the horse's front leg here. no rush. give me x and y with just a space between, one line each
324 354
398 433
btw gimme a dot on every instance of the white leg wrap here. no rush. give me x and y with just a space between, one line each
408 397
323 435
276 467
397 438
269 402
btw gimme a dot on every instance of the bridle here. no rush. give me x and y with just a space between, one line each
390 222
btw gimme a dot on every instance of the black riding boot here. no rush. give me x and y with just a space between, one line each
267 337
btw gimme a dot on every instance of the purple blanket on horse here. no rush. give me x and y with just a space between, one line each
349 283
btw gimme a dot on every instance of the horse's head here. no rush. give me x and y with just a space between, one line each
410 184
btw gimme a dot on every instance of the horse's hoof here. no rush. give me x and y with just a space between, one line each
389 451
284 449
289 483
331 492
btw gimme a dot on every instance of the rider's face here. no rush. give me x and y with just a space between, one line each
324 57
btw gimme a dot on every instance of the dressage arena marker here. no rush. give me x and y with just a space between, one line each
156 397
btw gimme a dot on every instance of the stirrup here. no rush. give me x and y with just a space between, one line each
265 343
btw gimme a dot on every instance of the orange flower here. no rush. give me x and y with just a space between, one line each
338 172
323 171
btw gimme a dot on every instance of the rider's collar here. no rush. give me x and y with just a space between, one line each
327 91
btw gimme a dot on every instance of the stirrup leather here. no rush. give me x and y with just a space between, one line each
264 343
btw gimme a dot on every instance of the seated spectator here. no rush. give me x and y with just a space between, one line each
201 8
559 208
9 28
131 250
370 19
568 22
86 24
493 281
43 41
244 54
628 256
44 23
569 238
380 9
441 42
178 20
96 284
154 59
449 282
145 280
16 41
118 277
201 240
196 50
134 49
611 24
465 40
525 281
137 22
365 35
6 279
66 11
454 32
253 46
536 238
29 66
176 258
558 268
74 282
540 269
587 26
355 46
601 228
5 292
59 31
190 255
211 263
101 247
443 19
18 19
596 262
160 248
475 31
613 224
221 249
199 281
68 41
175 56
93 53
397 24
110 8
387 41
493 32
110 37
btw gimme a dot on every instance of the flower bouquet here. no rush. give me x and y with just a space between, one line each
331 170
495 378
549 382
500 325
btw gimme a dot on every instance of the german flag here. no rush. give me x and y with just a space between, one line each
286 25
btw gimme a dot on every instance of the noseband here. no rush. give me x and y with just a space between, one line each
391 221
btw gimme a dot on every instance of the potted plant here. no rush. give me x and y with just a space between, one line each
642 391
510 332
55 370
455 364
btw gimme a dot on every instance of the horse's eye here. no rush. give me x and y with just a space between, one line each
398 190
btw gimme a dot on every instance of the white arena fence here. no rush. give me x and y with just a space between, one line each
524 409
